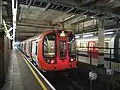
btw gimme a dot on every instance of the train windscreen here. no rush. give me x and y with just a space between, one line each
72 45
49 45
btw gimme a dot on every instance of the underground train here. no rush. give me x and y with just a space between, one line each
111 50
51 50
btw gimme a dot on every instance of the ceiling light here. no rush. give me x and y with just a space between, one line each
69 17
88 35
92 17
106 33
77 36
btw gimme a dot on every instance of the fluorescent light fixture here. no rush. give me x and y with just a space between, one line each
88 35
106 33
69 17
77 36
62 20
92 17
111 30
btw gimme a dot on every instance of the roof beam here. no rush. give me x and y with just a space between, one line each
40 4
69 10
47 6
30 2
26 2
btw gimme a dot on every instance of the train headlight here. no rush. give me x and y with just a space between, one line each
52 61
72 59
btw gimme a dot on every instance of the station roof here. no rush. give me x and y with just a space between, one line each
36 16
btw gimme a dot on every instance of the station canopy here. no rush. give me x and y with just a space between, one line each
36 16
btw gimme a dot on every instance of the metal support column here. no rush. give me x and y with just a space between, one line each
14 12
100 23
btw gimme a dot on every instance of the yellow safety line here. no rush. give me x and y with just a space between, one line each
36 76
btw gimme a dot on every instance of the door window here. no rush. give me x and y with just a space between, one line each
62 49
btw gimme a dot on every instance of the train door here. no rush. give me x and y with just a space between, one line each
24 48
35 51
91 46
27 48
66 47
63 45
30 49
92 52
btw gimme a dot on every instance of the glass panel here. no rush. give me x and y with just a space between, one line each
62 49
72 45
106 45
49 45
33 47
36 48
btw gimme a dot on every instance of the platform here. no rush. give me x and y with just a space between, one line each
20 76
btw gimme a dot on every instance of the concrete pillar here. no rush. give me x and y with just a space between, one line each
100 23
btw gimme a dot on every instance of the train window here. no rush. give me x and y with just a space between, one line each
106 45
80 45
36 51
62 49
49 45
96 44
33 47
85 45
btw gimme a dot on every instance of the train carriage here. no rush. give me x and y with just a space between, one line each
52 50
87 45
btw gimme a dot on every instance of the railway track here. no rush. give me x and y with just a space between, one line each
57 80
62 81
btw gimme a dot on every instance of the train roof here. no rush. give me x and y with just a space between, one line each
37 36
94 38
32 38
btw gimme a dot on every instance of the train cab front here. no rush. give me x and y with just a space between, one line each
59 49
66 55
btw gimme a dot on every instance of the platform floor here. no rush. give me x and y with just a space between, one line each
19 75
